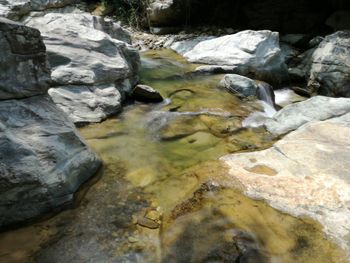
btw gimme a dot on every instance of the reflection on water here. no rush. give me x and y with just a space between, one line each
162 197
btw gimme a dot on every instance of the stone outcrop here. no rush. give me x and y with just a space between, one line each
16 9
24 69
304 174
93 70
330 66
43 160
318 108
256 54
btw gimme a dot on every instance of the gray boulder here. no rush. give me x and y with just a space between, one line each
82 54
43 160
146 93
330 70
15 9
24 71
184 46
318 108
251 53
86 104
246 87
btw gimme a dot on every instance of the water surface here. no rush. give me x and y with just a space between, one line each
162 196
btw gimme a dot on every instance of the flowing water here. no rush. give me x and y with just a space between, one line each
162 196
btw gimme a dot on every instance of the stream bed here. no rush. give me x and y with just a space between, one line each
162 196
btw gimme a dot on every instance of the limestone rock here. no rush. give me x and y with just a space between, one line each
24 70
304 174
318 108
184 46
147 94
86 104
82 54
251 53
43 159
246 87
330 70
15 9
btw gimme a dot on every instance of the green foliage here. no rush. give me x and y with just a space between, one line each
131 12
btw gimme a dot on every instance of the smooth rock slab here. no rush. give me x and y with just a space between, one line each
43 160
318 108
304 174
24 70
87 103
252 53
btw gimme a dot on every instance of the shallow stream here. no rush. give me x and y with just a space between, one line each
162 196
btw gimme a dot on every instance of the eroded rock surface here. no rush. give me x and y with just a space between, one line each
43 160
24 70
83 58
251 53
318 108
304 174
15 9
330 70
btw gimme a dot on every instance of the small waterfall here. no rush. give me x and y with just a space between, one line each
265 93
267 99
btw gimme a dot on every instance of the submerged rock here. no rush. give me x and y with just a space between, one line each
43 160
82 54
146 93
311 175
250 53
330 70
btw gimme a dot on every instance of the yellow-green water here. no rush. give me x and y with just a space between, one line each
162 195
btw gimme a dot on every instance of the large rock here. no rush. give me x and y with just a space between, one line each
253 53
330 70
86 104
82 54
24 70
318 108
246 87
15 9
43 160
304 174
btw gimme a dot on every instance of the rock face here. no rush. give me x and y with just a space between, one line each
330 70
24 70
84 58
16 9
318 108
43 160
304 174
252 53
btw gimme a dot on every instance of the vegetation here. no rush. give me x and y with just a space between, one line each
131 12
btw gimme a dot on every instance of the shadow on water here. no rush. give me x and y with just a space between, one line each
162 196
